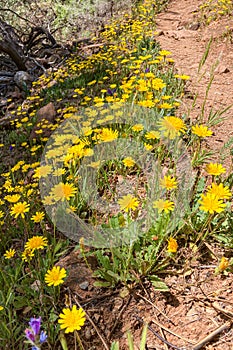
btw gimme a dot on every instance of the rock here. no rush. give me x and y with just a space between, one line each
194 26
3 102
36 285
84 285
47 112
23 80
88 334
160 32
223 69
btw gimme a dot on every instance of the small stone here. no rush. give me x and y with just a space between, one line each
193 314
96 317
224 70
84 285
36 285
194 26
46 112
88 334
3 102
160 32
23 80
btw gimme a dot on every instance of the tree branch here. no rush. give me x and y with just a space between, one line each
10 49
15 13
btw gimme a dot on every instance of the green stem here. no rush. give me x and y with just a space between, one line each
201 236
82 250
79 340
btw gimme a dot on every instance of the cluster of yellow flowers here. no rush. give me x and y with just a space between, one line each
211 10
127 69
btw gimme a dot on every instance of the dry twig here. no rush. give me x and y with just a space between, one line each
173 333
94 326
213 334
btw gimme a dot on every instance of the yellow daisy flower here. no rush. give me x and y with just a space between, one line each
72 320
165 53
172 127
152 135
215 169
163 205
48 200
168 182
38 217
13 198
36 242
20 208
219 191
63 191
148 147
128 202
210 203
27 255
201 130
223 265
172 245
43 171
128 162
138 127
108 135
9 253
55 276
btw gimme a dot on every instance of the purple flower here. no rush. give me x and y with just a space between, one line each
30 334
147 70
111 92
43 337
34 335
35 325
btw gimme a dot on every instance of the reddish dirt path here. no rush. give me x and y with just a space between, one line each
181 34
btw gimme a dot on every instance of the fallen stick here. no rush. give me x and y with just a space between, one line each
94 326
173 333
209 337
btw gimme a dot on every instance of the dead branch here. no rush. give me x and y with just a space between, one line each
15 13
11 45
212 335
12 50
35 33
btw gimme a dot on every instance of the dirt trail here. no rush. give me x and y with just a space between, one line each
187 39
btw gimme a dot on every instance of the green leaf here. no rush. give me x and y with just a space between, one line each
115 346
130 340
58 247
53 316
201 185
20 302
143 338
158 284
63 341
114 275
101 284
